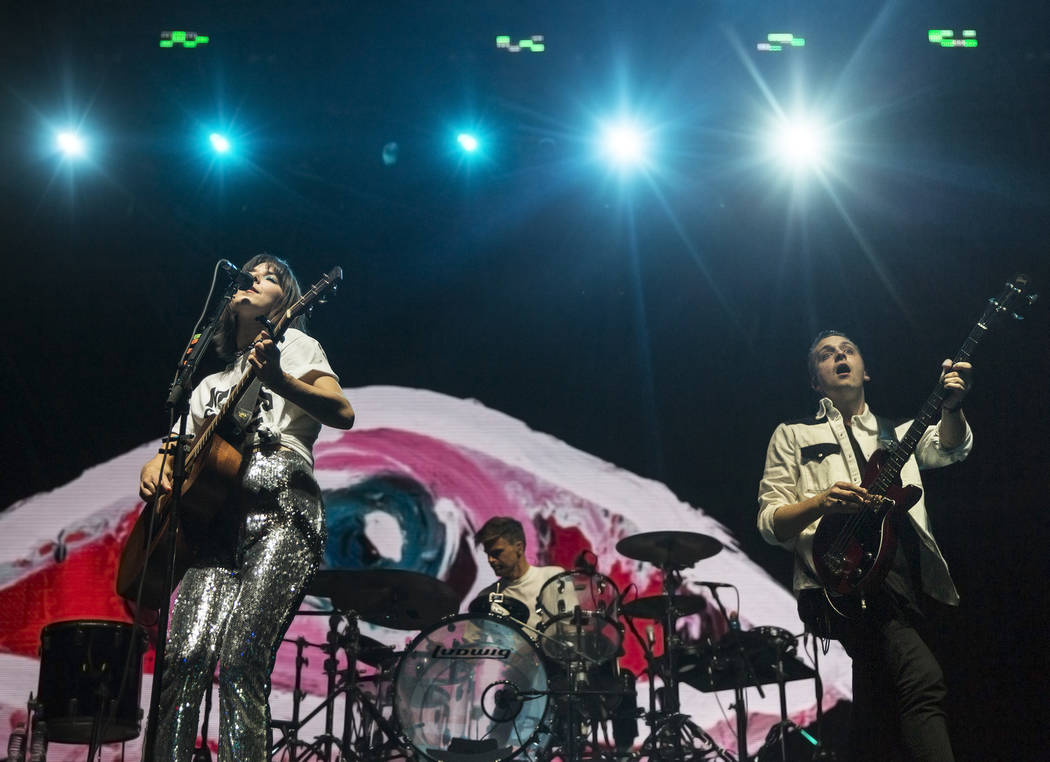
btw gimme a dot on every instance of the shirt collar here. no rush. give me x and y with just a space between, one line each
865 420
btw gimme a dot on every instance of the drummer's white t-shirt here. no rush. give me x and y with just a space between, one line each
526 589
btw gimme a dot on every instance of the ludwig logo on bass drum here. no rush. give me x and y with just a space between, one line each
471 652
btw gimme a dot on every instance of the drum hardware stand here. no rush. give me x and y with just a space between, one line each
339 682
673 735
749 673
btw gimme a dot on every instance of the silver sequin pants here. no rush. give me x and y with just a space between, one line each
233 608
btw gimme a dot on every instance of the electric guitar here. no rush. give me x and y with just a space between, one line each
853 552
213 469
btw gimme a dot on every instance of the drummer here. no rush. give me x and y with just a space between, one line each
503 539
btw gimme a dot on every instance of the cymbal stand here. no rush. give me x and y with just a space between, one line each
673 735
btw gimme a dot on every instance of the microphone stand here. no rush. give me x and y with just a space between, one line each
178 404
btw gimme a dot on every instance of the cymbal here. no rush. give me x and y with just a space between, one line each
669 548
655 606
396 598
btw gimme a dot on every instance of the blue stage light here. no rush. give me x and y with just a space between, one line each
468 142
624 143
219 142
70 143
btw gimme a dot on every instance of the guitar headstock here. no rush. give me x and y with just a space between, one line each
1014 299
319 293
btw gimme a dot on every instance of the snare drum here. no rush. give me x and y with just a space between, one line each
580 617
471 689
82 670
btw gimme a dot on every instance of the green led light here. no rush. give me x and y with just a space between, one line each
969 43
524 43
776 48
779 37
969 32
947 43
798 42
502 40
178 37
166 43
807 736
538 47
947 33
189 44
203 39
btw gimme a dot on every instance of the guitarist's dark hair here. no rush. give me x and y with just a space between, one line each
226 335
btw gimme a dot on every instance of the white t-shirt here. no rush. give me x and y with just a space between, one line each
277 421
526 589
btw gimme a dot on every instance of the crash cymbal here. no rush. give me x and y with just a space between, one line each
655 606
669 548
403 600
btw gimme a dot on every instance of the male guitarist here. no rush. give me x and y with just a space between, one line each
814 467
251 564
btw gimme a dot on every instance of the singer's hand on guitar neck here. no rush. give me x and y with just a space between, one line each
265 359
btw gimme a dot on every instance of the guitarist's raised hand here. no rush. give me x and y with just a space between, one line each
957 380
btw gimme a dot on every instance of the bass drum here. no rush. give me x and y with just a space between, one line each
82 674
471 689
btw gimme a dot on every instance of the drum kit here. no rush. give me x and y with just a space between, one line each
487 687
474 687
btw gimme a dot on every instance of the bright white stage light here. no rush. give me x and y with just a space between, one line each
468 142
219 143
800 143
70 144
624 144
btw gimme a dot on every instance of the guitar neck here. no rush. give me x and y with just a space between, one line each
899 455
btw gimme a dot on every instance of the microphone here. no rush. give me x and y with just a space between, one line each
243 280
582 564
713 585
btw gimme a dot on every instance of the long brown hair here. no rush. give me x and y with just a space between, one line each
226 335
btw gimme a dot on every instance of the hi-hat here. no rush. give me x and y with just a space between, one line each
396 598
669 549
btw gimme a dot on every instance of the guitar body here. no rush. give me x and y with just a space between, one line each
853 553
206 491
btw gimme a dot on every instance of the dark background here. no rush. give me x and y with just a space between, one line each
658 321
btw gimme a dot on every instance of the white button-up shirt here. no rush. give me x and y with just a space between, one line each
808 456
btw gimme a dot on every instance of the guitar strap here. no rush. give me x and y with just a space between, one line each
241 416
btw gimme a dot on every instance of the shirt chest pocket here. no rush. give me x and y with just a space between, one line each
822 466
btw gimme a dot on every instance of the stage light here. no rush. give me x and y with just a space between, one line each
70 143
624 144
467 142
800 143
219 142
